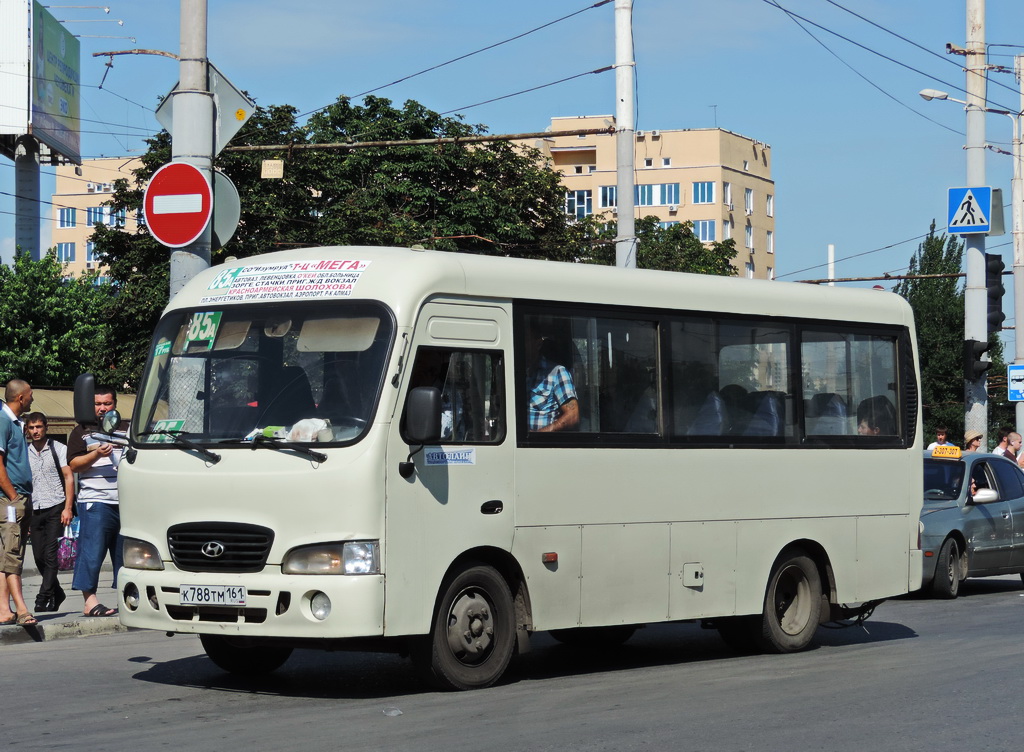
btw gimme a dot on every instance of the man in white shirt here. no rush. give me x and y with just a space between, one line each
52 496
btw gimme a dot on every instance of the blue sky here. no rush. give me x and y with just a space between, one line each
859 159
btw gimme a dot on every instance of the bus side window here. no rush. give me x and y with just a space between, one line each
472 392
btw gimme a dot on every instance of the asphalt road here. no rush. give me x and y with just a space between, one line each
920 675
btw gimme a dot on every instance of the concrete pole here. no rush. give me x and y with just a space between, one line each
975 299
192 129
625 139
1017 200
26 201
831 263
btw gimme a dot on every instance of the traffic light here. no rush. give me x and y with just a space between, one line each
974 366
994 290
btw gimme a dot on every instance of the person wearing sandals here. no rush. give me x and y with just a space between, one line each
52 496
95 460
15 502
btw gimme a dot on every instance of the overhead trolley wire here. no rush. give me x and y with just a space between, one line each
468 55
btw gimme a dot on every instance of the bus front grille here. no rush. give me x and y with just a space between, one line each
219 546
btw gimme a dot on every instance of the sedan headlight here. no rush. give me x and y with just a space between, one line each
139 554
349 557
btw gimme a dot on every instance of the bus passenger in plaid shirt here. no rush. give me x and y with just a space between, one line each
553 403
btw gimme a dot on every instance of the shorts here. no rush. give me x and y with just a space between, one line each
13 535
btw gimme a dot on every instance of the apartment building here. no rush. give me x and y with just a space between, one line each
719 180
78 206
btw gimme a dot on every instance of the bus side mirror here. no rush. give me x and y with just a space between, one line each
423 415
422 423
85 398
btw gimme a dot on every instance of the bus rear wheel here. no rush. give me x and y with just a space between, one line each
244 660
792 604
473 636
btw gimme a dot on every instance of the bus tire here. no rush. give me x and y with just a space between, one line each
473 635
946 583
244 660
591 638
792 604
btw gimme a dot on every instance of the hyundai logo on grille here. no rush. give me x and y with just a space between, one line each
213 549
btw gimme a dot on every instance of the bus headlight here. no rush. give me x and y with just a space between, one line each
348 557
139 554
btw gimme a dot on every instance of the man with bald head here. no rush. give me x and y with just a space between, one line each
15 501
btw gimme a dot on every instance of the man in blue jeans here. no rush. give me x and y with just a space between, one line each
96 461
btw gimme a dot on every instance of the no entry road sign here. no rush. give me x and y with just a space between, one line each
178 204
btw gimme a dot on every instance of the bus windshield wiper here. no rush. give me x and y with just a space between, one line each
182 443
281 444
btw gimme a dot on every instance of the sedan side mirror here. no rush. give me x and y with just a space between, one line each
984 496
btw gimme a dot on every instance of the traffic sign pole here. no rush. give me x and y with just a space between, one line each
192 132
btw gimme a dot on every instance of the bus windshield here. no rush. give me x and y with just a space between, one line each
301 372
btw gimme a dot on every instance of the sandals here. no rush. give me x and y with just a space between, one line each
26 620
9 622
100 610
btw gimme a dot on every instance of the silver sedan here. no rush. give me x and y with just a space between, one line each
972 523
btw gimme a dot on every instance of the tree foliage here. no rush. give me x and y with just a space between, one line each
52 328
939 314
495 198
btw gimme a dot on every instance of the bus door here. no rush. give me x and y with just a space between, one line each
460 495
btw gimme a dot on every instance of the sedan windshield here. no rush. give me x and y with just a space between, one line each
301 372
943 479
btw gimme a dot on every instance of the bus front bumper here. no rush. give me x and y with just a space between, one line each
275 604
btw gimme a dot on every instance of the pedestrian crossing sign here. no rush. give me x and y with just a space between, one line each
970 210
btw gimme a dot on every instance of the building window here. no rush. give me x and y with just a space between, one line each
770 270
648 162
97 215
749 271
659 194
746 166
748 201
769 244
704 192
608 197
705 230
769 205
727 195
90 252
748 241
578 169
579 204
65 252
666 161
666 225
67 218
726 229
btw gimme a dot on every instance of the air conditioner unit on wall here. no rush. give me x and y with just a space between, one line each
749 212
90 187
639 134
673 208
655 134
729 207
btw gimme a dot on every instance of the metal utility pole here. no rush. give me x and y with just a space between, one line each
625 140
1017 199
26 201
192 139
975 299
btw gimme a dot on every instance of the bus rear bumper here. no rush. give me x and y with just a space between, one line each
276 605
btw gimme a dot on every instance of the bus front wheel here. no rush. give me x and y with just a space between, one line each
792 604
244 660
473 636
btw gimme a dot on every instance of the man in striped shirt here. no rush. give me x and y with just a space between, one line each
95 460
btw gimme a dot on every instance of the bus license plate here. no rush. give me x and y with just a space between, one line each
212 595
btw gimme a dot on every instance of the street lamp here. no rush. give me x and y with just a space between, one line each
1017 204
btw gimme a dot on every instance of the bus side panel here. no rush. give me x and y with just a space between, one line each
759 542
554 587
881 551
703 569
625 574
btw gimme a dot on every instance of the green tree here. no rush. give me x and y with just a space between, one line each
939 314
674 248
52 328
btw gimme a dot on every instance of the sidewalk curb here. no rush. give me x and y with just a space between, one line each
48 631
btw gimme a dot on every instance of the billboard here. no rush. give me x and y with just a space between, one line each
56 68
14 71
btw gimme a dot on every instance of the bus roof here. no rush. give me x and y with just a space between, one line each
404 277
